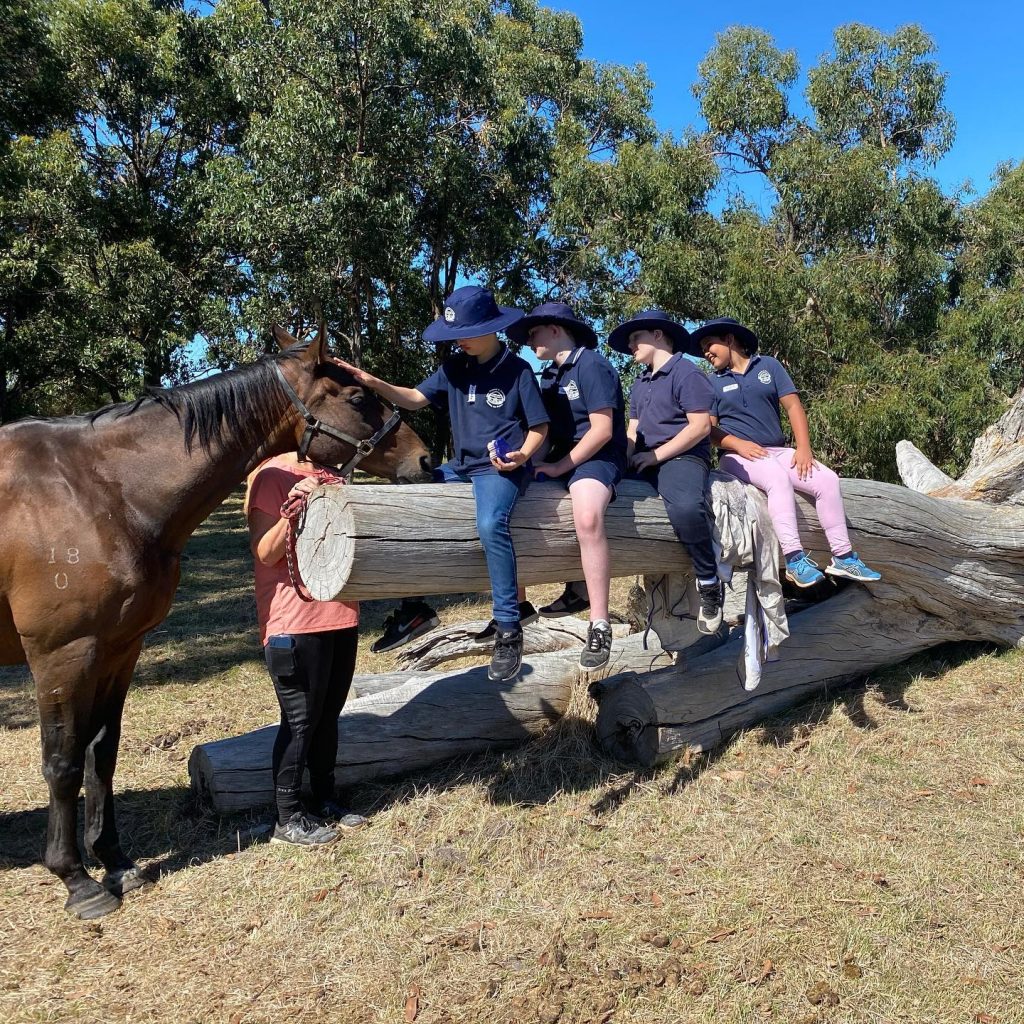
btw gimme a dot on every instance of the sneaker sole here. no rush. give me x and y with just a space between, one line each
707 629
302 846
592 668
843 575
423 627
801 585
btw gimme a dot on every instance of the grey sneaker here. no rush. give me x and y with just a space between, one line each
598 647
302 830
709 616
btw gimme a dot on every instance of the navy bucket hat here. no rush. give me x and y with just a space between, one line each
470 312
724 325
654 320
554 313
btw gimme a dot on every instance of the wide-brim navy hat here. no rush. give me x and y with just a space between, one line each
724 325
554 313
470 312
653 320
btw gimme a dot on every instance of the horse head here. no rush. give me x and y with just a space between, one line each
340 422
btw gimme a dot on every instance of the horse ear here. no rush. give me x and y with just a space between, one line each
320 343
282 337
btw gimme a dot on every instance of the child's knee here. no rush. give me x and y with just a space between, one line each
589 524
491 526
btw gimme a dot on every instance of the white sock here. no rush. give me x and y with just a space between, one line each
602 624
707 583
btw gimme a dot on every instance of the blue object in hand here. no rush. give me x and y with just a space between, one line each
498 449
541 477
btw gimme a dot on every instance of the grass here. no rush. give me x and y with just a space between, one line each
859 859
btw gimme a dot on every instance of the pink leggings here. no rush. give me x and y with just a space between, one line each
778 479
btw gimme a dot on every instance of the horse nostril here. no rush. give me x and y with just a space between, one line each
426 464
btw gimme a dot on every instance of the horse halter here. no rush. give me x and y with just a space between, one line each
314 427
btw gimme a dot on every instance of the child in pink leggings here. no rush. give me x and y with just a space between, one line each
746 425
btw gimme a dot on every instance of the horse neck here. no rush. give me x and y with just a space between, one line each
175 489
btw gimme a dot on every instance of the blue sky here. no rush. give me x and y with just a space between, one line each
977 43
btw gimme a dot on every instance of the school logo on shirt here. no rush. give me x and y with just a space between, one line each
495 398
571 391
449 315
765 377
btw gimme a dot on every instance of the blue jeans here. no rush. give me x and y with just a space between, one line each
495 495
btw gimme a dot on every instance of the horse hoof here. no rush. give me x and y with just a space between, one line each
125 880
94 904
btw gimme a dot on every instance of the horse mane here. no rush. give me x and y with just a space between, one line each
242 404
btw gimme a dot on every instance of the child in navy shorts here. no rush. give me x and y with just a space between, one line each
491 396
583 396
669 424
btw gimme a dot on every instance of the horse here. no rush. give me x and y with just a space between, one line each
96 511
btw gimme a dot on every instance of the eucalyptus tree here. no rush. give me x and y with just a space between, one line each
844 267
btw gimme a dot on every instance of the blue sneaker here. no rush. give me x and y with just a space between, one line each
852 568
803 571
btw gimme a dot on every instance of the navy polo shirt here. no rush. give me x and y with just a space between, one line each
496 399
584 383
747 403
660 401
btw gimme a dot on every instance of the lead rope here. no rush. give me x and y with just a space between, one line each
294 511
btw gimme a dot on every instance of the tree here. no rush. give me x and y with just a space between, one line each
845 273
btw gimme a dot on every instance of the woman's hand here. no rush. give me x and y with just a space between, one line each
512 461
307 485
644 460
750 450
803 462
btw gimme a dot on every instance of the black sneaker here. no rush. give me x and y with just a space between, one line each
527 614
302 830
569 602
709 617
408 621
507 657
598 648
334 815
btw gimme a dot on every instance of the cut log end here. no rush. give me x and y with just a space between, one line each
627 722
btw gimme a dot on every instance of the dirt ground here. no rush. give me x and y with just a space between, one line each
859 859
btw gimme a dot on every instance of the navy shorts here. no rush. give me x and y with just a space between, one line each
607 472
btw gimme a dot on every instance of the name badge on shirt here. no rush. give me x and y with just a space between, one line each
730 387
471 397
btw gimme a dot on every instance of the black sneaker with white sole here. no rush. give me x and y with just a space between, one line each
527 614
335 815
709 615
598 647
507 658
303 830
568 602
408 621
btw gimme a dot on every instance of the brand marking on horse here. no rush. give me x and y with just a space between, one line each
57 581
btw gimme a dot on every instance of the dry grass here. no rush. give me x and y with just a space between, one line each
857 860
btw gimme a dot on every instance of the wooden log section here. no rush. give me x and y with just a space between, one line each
430 718
953 569
380 541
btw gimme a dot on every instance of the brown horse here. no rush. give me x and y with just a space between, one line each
96 510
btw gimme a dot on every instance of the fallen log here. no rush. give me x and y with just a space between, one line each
953 569
430 718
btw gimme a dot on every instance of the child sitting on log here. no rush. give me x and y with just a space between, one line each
747 427
498 423
667 440
583 396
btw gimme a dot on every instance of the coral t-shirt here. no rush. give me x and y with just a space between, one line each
278 608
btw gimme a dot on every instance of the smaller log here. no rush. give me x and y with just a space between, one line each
430 718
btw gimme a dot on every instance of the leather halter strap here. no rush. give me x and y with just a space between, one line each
316 426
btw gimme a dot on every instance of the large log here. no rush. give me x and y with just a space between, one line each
379 541
953 569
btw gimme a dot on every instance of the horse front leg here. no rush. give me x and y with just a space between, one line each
66 688
101 837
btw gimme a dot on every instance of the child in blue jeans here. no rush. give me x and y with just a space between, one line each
491 395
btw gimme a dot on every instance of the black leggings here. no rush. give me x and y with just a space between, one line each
311 699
